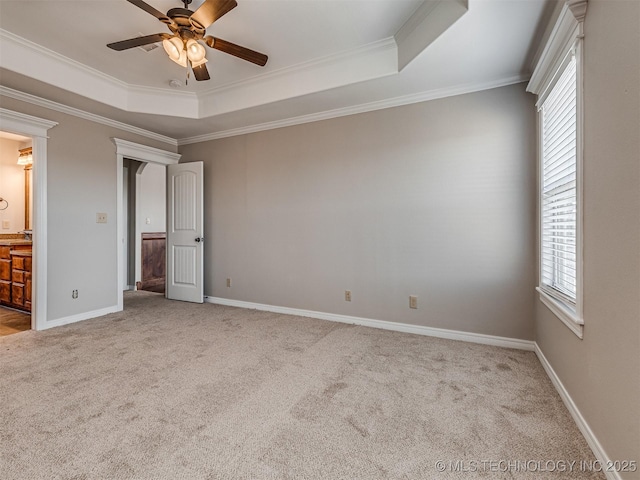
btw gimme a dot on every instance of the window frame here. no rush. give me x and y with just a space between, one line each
564 42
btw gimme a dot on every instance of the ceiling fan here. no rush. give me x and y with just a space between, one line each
188 28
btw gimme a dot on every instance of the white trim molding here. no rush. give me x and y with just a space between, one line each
566 315
382 324
37 129
567 30
143 153
76 112
356 109
582 424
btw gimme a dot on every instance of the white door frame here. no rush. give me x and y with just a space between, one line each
37 129
142 153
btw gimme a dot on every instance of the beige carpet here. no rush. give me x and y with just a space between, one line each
168 390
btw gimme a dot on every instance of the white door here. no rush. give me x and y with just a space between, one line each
185 232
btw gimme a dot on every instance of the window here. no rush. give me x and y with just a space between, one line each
558 193
560 268
557 81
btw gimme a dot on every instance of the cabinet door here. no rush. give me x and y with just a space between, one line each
17 294
5 270
5 291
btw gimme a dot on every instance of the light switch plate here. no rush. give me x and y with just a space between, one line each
6 224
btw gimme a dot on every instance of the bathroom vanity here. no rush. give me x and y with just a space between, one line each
15 273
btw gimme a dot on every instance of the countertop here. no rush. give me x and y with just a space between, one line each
14 241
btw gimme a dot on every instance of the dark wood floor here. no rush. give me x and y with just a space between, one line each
12 321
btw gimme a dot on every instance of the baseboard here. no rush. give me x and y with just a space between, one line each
383 324
78 317
582 424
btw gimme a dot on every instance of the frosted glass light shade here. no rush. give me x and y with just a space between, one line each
174 47
195 51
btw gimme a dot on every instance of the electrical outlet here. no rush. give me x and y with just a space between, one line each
74 293
347 295
101 218
6 224
229 282
413 301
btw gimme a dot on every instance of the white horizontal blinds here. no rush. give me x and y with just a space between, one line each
559 200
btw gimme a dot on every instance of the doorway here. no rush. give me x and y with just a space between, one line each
27 256
16 246
144 220
136 215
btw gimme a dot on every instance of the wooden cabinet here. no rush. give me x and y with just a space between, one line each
15 276
153 262
21 279
5 274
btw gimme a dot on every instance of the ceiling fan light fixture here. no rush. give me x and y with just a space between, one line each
174 48
195 51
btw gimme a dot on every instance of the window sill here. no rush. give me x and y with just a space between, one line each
560 310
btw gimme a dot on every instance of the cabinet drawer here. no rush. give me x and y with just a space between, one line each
18 263
17 276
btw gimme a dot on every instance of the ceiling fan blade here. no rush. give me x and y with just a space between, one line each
237 51
149 9
201 72
211 10
138 41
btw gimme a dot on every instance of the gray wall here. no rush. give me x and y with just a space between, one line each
434 199
81 182
602 372
153 198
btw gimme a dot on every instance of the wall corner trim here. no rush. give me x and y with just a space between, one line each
382 324
581 422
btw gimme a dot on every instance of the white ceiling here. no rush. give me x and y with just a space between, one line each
326 58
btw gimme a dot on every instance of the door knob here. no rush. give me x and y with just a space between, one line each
200 239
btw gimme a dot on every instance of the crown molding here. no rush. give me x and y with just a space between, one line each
356 109
76 112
